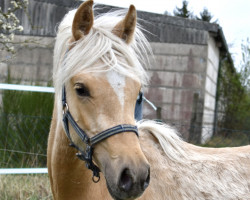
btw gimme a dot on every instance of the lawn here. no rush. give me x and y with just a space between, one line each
25 187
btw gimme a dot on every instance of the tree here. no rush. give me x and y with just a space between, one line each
245 65
10 25
183 11
233 95
206 16
167 13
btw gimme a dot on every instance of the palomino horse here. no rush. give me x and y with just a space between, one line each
97 77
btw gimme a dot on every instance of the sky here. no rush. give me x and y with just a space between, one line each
233 16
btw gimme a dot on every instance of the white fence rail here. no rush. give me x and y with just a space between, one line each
28 88
5 171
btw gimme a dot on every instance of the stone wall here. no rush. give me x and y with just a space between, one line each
32 63
176 77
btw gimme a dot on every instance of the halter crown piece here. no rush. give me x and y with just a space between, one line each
86 155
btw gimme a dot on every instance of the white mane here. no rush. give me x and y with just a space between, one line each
99 45
168 137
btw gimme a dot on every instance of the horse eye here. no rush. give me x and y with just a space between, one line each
82 90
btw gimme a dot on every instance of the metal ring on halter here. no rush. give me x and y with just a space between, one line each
95 180
65 108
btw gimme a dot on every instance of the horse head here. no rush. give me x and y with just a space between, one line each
103 94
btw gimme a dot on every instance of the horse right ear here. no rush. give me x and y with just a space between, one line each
83 20
125 28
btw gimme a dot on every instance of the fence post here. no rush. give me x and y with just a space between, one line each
195 129
158 113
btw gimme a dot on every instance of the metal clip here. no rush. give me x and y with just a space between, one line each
97 179
79 155
88 152
65 108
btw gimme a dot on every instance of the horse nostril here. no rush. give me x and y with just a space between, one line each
126 181
145 183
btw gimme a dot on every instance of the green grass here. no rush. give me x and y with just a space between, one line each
25 187
233 140
24 126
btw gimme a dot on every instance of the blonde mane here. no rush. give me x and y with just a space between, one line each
169 139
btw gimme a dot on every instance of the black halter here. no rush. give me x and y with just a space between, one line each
90 142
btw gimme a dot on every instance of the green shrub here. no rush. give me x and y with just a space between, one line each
24 126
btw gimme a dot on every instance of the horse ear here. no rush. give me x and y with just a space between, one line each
83 20
125 28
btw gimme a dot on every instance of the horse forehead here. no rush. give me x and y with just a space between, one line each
109 80
117 82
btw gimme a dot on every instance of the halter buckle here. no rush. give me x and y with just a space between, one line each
65 108
88 152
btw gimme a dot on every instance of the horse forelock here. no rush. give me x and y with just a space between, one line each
101 46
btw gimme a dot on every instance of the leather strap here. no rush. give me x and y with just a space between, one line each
112 131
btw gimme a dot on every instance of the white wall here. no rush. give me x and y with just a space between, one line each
210 89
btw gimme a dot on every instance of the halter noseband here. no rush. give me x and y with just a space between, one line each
90 142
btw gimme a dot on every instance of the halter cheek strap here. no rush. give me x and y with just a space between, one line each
86 155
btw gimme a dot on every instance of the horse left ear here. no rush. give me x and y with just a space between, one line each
83 20
125 29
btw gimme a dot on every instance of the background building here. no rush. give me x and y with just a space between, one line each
183 73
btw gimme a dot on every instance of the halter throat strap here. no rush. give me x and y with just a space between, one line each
86 155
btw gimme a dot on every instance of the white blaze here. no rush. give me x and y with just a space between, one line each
117 82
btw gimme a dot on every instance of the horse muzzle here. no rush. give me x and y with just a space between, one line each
131 183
